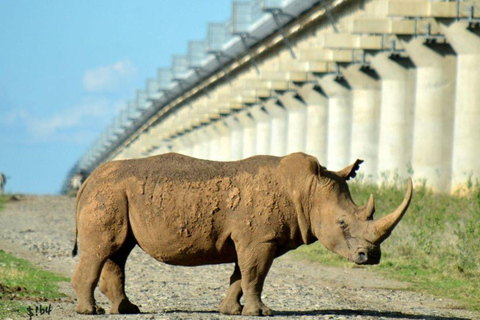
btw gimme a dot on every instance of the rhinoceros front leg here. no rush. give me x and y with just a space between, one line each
254 262
231 303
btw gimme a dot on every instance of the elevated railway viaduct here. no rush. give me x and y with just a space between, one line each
393 82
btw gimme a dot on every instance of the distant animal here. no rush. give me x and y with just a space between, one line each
3 182
76 181
191 212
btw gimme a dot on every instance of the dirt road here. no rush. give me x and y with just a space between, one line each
40 229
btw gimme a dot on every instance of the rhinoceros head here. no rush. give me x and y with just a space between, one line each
345 228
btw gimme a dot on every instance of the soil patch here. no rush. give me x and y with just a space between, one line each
41 229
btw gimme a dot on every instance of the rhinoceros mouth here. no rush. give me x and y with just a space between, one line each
366 257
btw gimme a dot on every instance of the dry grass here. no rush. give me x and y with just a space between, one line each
7 273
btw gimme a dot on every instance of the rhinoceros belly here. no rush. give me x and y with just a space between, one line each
182 224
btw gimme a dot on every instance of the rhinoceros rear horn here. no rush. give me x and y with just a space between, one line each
367 211
384 226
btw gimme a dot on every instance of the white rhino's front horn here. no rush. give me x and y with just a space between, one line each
384 226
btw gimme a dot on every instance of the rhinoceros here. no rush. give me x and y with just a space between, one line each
190 212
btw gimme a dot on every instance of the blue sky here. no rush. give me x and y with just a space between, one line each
66 67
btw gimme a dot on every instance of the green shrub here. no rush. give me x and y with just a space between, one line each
436 246
2 202
21 283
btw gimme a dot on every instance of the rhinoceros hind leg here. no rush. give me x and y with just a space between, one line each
84 282
255 261
231 303
112 280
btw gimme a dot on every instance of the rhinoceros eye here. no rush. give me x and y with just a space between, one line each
342 224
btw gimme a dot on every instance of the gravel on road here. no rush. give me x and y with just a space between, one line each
41 230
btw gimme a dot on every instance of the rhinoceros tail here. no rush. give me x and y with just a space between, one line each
75 242
75 246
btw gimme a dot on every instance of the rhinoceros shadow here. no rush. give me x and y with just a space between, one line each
366 313
342 312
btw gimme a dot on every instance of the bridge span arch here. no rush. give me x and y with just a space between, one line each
393 82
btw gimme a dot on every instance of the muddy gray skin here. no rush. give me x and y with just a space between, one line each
191 212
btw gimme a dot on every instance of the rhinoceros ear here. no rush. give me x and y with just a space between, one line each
351 170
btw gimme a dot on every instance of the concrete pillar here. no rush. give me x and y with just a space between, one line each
236 137
296 123
150 139
171 141
433 114
162 143
215 142
249 133
278 125
164 147
134 149
365 85
206 143
197 144
396 114
225 147
263 129
339 121
183 144
466 151
198 114
124 154
176 145
201 146
317 120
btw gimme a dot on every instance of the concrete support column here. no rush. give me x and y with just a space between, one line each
124 154
206 144
201 146
365 85
225 147
183 144
466 152
214 141
162 143
176 144
149 140
317 120
162 148
396 114
339 121
297 121
197 143
236 137
249 133
278 125
263 129
433 114
134 149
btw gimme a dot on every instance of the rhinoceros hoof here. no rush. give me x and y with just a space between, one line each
125 307
257 311
231 308
90 310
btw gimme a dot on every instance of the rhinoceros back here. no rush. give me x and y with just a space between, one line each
183 210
